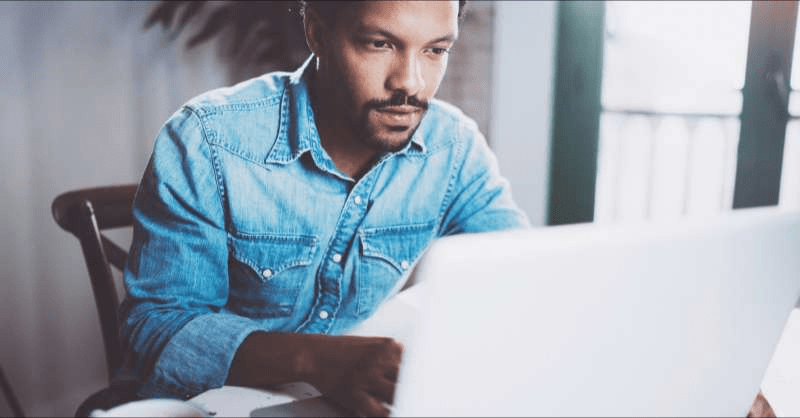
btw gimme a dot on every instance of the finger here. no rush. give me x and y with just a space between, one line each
397 349
390 358
391 348
382 389
368 406
391 371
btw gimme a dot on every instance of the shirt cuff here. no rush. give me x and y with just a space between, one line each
198 357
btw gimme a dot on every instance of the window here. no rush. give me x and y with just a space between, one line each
678 111
671 98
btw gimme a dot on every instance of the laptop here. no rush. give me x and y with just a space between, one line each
667 319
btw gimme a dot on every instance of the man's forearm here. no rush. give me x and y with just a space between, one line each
267 358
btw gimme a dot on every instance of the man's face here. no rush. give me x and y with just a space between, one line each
383 62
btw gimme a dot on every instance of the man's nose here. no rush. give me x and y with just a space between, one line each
406 76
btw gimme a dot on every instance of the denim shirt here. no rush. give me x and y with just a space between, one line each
242 223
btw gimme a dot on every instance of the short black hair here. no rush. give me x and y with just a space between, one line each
328 10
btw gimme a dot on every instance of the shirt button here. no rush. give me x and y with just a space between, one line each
404 264
267 273
358 200
323 314
337 258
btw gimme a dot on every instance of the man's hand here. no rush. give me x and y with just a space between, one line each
359 373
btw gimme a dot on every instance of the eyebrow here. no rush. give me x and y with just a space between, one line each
371 30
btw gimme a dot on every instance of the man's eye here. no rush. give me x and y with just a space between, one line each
439 51
380 44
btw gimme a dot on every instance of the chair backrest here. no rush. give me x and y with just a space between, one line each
86 214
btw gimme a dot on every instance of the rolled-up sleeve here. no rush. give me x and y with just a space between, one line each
480 197
176 277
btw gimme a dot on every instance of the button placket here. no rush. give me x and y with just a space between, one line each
329 300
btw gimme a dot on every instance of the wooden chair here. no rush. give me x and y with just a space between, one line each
86 214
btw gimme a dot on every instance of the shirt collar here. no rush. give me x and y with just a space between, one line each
296 120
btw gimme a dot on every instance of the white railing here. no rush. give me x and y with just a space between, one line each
664 166
669 166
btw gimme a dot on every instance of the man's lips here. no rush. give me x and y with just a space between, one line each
399 116
402 109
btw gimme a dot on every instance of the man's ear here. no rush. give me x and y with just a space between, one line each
315 31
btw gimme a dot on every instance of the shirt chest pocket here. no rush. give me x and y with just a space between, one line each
387 254
267 273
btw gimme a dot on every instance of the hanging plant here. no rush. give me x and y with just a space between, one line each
252 37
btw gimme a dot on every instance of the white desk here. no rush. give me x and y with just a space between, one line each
235 401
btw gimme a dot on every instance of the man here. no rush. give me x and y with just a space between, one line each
277 214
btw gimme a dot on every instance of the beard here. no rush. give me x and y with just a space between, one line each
366 131
369 134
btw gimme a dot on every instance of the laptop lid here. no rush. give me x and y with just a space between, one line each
638 320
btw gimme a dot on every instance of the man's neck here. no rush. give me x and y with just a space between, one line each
349 154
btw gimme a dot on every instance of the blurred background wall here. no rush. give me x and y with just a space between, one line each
84 91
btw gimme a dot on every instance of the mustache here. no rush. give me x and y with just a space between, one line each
397 100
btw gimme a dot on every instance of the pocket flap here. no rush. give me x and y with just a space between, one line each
398 245
270 255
